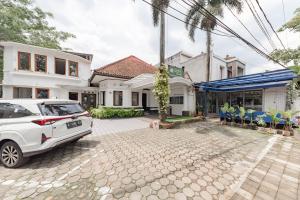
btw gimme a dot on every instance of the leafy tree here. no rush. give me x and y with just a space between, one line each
289 55
293 24
21 21
158 6
162 91
195 18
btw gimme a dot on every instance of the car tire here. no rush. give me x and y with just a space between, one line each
11 155
75 141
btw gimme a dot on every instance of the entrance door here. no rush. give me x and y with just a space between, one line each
88 100
144 101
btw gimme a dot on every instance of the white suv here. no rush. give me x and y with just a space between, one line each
30 127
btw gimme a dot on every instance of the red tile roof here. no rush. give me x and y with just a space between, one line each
128 68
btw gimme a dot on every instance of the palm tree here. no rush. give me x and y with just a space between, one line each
195 18
158 14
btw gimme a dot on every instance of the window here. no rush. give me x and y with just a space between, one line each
102 98
60 66
221 72
24 61
73 96
118 98
240 71
176 100
135 98
253 100
8 111
22 93
73 68
229 72
42 93
40 63
61 109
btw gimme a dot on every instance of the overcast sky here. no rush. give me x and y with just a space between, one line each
114 29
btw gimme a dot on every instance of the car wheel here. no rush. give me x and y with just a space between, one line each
11 155
76 140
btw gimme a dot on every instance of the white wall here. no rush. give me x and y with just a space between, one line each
48 80
111 85
188 99
274 98
196 67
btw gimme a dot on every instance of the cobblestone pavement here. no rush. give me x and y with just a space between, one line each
108 126
199 161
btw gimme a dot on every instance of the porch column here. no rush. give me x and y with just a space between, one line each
205 103
185 98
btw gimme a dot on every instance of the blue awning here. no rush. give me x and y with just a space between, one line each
277 78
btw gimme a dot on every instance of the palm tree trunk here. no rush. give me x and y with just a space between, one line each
162 38
208 59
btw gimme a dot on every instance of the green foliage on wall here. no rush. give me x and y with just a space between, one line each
161 91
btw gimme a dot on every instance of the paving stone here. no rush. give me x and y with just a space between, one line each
135 196
163 194
180 196
188 192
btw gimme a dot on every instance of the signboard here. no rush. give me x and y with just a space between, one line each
175 71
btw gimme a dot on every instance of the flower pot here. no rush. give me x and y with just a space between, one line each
286 133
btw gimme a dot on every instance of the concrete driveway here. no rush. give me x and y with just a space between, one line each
200 161
109 126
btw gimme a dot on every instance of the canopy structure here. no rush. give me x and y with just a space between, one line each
269 79
147 81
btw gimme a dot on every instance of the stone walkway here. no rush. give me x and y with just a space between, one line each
199 161
111 126
276 176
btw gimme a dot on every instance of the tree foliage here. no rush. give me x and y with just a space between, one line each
195 18
289 55
293 24
21 21
161 91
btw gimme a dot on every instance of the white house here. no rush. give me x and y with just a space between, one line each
129 83
221 68
36 72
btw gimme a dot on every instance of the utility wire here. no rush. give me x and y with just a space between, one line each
177 18
247 29
260 23
270 23
225 27
284 18
223 33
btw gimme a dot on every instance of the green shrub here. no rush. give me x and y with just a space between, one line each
109 112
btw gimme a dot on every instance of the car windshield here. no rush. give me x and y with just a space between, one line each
61 109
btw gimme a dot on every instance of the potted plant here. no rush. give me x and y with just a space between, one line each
224 111
261 122
242 114
252 125
288 126
274 120
231 112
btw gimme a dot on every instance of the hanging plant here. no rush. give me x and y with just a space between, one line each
161 91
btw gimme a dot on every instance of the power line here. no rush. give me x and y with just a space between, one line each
223 33
269 23
260 23
284 18
205 12
246 29
177 18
